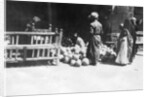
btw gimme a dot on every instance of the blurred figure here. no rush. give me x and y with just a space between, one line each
124 46
139 26
31 25
130 24
106 29
79 41
94 39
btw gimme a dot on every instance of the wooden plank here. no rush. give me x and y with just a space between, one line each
24 54
30 59
36 41
59 45
50 39
17 39
41 40
38 53
30 46
32 39
30 33
32 42
43 53
33 53
46 40
10 54
48 52
16 54
13 40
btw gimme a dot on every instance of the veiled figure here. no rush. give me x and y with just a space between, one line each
124 47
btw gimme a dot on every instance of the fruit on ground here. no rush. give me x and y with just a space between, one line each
85 61
72 62
78 62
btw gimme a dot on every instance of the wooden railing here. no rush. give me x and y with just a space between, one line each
41 44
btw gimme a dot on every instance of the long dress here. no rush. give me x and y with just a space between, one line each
122 57
124 52
94 42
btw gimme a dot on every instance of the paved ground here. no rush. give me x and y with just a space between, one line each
64 78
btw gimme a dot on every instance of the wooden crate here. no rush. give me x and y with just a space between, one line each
42 44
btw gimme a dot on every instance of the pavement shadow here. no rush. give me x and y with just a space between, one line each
29 64
112 63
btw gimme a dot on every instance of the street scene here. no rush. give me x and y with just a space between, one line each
55 48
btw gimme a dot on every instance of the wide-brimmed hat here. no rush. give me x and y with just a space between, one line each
94 15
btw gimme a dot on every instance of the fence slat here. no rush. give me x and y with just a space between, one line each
11 51
16 54
50 39
32 40
13 39
36 40
17 39
43 53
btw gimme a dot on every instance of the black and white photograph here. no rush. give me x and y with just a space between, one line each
56 48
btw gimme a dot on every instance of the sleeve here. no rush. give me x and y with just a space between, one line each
91 29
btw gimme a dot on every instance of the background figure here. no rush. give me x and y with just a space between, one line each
124 46
130 24
33 23
94 39
107 27
79 41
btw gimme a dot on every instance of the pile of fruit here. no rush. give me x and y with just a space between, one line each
75 56
107 54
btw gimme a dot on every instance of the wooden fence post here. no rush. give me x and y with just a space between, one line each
59 44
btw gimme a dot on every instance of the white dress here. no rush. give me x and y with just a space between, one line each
122 57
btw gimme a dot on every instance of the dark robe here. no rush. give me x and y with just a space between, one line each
94 42
128 24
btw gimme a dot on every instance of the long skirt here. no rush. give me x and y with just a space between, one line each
123 56
93 49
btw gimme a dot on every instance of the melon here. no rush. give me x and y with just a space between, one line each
72 62
78 62
83 51
85 62
77 49
53 52
76 56
66 59
62 50
54 62
61 57
81 56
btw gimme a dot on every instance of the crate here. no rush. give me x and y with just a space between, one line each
41 44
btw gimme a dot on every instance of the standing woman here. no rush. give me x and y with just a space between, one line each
124 47
130 24
94 39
